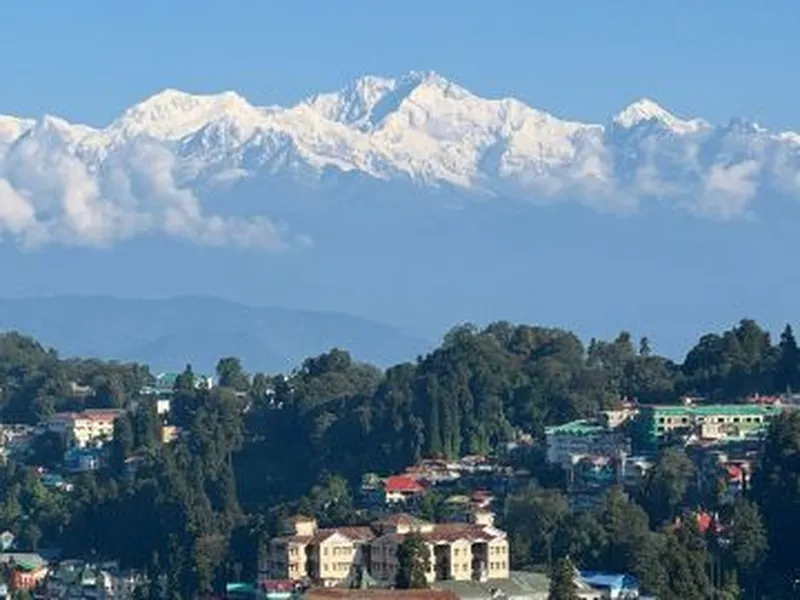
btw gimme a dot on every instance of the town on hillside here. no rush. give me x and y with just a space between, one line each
468 552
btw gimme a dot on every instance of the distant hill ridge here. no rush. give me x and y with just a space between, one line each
167 334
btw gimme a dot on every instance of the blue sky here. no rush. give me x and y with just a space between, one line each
586 59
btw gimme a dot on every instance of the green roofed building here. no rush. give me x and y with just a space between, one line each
713 422
583 437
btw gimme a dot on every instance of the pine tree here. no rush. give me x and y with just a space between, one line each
413 563
562 581
788 371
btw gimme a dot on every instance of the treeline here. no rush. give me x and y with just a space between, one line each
35 382
483 387
257 447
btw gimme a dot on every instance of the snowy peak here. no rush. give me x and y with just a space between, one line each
367 101
645 110
353 104
421 127
172 114
12 127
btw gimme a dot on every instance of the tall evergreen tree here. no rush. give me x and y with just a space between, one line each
562 581
413 562
788 370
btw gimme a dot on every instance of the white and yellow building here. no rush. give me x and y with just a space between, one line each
85 428
474 551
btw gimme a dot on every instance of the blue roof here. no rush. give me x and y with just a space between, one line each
614 581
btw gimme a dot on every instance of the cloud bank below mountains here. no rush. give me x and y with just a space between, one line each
49 196
63 183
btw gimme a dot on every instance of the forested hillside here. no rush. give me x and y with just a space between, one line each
256 447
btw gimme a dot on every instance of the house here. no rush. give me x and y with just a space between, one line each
475 550
401 488
82 429
612 585
81 459
169 433
164 384
163 406
280 589
15 441
27 570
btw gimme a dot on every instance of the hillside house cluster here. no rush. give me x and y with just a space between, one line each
722 440
475 550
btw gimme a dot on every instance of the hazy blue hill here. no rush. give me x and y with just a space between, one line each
171 332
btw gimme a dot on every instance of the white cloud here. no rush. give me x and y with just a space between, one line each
48 195
16 213
729 190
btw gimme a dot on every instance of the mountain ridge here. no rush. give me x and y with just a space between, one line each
420 128
168 333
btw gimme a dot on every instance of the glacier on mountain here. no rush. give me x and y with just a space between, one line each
71 183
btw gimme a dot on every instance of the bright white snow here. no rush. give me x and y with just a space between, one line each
76 184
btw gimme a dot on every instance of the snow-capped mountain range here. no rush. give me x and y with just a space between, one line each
71 183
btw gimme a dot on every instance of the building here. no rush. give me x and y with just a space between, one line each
15 441
476 550
84 428
78 580
28 570
326 556
164 384
613 586
80 459
708 422
583 437
401 488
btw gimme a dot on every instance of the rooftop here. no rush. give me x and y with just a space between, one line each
715 409
579 427
403 483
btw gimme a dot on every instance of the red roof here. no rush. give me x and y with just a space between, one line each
278 585
735 472
402 483
704 521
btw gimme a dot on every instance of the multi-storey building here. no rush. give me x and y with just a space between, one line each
711 421
84 428
582 438
459 551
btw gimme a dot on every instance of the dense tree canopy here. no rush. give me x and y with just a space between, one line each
257 447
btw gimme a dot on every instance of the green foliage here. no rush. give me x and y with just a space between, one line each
413 562
667 485
776 490
231 374
254 449
35 383
534 517
562 581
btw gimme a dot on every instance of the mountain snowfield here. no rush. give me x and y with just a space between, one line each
141 175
